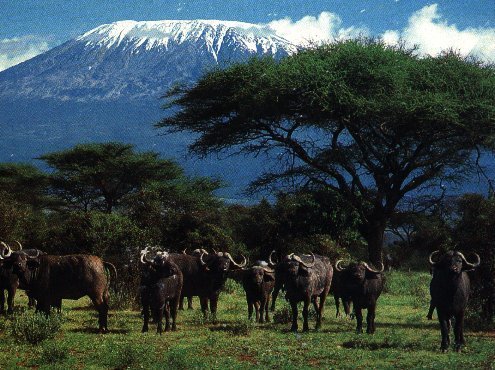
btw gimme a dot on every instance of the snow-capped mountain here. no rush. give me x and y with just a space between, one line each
136 60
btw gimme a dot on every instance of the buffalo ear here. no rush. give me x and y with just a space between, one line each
33 263
269 276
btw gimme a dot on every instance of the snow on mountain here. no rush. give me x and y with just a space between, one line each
137 60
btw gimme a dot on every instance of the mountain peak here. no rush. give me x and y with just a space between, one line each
155 33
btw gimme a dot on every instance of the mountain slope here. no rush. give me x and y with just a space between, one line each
136 60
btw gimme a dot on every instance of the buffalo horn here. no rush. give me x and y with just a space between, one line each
20 245
244 263
298 259
5 246
269 270
430 258
338 267
270 258
201 259
373 270
35 256
144 256
184 251
472 265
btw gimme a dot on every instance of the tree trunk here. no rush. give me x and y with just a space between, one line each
373 234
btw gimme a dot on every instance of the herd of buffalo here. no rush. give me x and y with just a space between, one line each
168 278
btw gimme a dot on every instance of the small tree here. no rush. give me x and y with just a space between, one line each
98 176
368 121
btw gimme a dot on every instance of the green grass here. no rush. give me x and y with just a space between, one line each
404 339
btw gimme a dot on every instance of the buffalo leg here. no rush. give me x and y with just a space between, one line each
458 331
347 307
370 319
293 305
262 309
181 302
250 308
10 300
276 290
257 311
146 318
166 310
319 311
2 302
204 306
444 329
429 316
337 306
173 312
359 319
101 305
305 312
213 307
158 316
267 303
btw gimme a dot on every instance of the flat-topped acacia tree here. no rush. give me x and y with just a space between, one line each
369 121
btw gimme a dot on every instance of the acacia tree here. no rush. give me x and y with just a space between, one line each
368 121
98 176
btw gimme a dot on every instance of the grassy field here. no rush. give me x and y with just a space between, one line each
404 338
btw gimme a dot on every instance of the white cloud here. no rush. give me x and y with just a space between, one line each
18 49
432 35
314 30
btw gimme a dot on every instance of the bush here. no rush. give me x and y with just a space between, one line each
34 328
283 315
127 356
52 352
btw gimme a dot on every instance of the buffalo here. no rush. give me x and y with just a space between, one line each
450 289
10 282
50 279
205 276
362 285
337 290
197 252
162 290
306 281
258 282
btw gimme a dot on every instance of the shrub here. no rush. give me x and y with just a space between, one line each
34 328
283 315
53 352
127 356
237 328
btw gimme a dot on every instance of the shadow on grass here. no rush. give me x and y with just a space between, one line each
96 331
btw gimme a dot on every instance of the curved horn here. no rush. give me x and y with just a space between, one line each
472 265
244 263
298 259
269 270
430 260
201 259
20 245
35 256
202 250
213 249
5 246
184 251
373 270
338 267
144 256
270 258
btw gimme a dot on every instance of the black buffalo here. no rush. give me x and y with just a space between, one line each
197 252
362 285
306 281
337 290
161 291
50 279
450 289
10 281
205 276
258 282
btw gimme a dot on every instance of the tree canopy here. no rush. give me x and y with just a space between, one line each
368 121
98 176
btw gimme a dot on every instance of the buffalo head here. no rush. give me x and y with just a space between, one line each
453 261
293 264
358 271
259 272
220 262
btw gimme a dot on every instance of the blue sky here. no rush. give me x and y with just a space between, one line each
28 27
